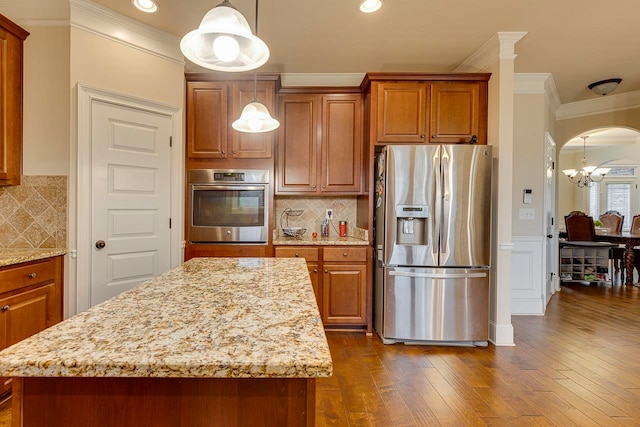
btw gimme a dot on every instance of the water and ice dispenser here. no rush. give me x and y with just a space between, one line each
412 224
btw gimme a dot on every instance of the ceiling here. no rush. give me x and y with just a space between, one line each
577 42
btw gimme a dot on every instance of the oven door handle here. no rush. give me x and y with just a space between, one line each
227 187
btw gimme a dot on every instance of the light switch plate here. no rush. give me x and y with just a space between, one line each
527 213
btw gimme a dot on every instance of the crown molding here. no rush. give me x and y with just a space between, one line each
500 46
603 104
538 83
320 79
93 18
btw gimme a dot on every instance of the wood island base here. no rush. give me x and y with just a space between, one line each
160 402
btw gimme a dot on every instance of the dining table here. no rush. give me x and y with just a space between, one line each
629 240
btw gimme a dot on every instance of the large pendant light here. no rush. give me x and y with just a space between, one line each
255 117
224 42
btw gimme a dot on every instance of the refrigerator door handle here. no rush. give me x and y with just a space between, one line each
439 275
446 205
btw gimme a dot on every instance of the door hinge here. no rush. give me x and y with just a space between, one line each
170 141
169 222
553 166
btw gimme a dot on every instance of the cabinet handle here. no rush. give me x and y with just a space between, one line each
324 186
5 308
223 152
31 275
433 136
315 270
326 271
297 255
313 186
423 136
345 254
235 152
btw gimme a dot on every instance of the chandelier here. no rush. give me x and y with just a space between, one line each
586 176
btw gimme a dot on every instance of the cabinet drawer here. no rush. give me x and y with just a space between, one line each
345 254
21 275
310 254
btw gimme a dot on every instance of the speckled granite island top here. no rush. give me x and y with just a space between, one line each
209 318
11 256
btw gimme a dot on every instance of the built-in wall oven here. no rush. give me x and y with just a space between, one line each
229 206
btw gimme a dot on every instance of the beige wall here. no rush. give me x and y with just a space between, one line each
528 161
569 196
46 101
109 65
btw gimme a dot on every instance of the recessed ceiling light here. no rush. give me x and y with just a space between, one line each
148 6
369 6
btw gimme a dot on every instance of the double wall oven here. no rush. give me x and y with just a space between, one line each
228 206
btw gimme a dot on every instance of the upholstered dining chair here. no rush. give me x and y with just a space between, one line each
613 220
635 224
580 226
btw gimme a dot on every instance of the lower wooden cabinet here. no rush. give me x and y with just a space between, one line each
339 279
30 301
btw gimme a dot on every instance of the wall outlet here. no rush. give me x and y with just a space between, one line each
329 214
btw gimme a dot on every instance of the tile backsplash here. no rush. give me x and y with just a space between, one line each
34 214
314 208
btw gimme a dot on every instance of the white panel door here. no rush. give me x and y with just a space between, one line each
552 282
130 197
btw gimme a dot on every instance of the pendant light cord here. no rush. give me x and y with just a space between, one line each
255 73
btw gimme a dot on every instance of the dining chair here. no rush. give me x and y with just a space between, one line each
580 226
635 224
613 220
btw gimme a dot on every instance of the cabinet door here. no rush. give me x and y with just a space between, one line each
344 295
207 120
402 115
455 113
11 38
26 313
251 145
315 283
341 165
298 143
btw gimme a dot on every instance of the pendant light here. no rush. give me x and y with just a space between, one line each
255 117
224 42
586 176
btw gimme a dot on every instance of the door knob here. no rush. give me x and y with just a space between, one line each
100 244
550 236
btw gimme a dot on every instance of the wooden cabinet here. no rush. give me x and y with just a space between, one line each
30 301
431 111
320 144
341 289
212 107
11 55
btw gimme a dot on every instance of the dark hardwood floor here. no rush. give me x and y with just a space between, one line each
578 365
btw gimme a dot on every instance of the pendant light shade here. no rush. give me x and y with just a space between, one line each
224 42
255 118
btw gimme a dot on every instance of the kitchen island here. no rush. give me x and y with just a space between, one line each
216 341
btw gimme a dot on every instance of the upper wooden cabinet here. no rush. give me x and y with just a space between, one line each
319 144
448 108
212 106
11 53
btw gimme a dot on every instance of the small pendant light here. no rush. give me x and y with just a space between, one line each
224 42
255 117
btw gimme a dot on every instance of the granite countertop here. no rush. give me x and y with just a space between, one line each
10 256
210 317
320 241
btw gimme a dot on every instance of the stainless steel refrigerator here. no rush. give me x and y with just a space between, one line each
432 244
